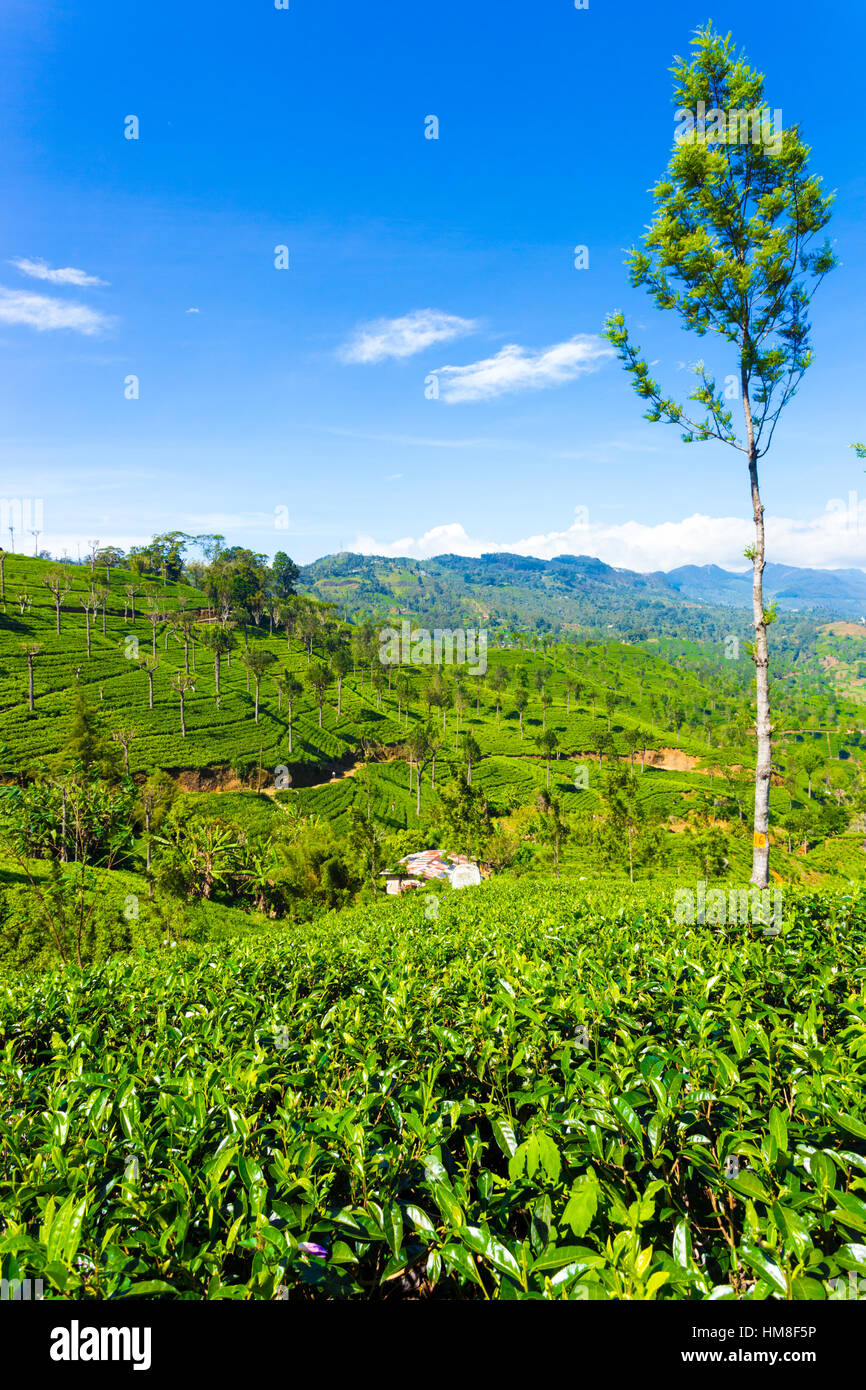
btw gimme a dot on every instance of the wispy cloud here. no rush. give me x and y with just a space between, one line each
516 368
404 337
67 275
42 313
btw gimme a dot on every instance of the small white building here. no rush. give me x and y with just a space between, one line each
460 871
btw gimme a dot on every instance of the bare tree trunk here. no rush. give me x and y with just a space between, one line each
764 761
147 848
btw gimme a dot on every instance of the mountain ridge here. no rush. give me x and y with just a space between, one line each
572 590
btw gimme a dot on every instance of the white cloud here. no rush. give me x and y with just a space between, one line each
516 368
40 312
68 275
193 311
835 539
404 337
439 540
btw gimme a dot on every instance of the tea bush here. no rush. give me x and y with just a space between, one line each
540 1091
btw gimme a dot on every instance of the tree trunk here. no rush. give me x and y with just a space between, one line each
764 761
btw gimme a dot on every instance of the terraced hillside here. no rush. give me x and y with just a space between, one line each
675 713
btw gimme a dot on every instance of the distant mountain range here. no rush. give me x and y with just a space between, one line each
572 592
843 592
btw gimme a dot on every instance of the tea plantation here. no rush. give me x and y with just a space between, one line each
523 1091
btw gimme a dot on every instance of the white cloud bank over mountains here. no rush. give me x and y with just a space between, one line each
836 539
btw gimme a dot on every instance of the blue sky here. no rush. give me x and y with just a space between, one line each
303 390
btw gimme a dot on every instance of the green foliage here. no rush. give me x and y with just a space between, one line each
535 1093
727 249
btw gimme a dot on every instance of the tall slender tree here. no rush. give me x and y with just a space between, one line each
728 250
